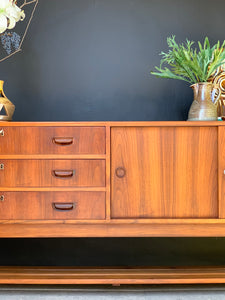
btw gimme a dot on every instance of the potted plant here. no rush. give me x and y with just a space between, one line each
194 66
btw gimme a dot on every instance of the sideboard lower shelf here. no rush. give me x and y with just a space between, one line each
114 276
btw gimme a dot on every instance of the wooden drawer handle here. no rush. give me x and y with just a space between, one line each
62 141
63 206
63 173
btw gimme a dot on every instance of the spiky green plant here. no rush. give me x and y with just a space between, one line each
190 64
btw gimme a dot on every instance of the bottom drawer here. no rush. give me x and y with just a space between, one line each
52 205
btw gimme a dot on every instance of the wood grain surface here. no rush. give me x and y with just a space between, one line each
221 171
41 205
52 140
108 172
70 275
41 173
114 123
112 179
161 172
44 229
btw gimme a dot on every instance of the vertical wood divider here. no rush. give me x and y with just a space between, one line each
221 168
108 167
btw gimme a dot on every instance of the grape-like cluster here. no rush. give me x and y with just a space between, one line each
10 41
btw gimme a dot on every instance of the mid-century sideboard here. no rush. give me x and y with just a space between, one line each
112 179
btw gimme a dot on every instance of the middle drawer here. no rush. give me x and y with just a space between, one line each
52 173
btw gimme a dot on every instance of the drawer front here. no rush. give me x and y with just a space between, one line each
52 205
52 140
52 173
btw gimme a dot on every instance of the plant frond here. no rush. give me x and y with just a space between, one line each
188 64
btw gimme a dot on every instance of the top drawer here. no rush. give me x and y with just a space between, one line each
52 140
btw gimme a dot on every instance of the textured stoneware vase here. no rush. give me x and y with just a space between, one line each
204 107
6 107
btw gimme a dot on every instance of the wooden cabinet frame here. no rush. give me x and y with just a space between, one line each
112 227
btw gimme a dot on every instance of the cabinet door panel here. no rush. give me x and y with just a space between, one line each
164 172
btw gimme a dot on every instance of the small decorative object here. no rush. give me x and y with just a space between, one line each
5 105
11 42
219 78
204 105
195 67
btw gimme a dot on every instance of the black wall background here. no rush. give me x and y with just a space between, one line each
91 60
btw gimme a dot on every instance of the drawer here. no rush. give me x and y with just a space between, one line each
52 173
52 205
52 140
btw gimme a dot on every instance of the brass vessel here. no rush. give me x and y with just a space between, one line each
6 107
203 108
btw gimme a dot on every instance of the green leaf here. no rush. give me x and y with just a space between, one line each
188 64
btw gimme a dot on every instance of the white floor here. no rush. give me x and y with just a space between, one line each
105 293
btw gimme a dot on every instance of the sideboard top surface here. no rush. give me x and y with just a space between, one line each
118 123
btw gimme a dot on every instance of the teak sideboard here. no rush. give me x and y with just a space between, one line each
112 179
